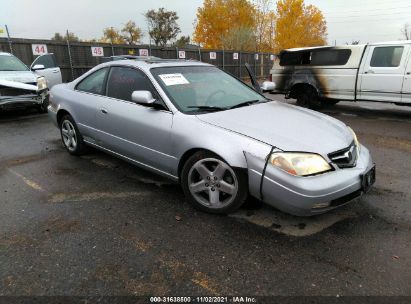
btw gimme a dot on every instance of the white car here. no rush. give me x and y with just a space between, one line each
22 87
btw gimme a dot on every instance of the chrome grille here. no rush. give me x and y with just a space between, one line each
345 158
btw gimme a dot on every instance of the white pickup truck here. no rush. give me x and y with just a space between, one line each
325 75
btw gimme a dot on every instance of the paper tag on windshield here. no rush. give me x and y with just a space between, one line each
173 79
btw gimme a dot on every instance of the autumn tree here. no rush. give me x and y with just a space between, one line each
264 25
163 26
132 34
240 39
112 35
220 20
298 25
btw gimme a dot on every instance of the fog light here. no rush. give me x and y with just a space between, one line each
320 205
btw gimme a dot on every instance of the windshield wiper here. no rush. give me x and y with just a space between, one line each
248 103
207 108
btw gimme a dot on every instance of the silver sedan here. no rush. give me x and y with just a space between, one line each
220 138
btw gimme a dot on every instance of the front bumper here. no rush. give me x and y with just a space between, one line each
52 113
302 195
23 101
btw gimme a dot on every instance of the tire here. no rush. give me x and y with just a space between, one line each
71 136
308 98
211 185
331 102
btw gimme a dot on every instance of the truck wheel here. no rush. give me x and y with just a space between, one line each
331 102
211 185
308 98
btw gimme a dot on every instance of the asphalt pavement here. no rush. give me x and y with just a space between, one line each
95 225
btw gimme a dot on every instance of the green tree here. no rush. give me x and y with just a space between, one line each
71 37
132 34
182 41
163 26
57 37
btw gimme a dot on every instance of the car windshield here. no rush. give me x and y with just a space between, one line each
204 88
11 63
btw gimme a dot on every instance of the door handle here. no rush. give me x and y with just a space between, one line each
369 71
56 71
408 73
104 111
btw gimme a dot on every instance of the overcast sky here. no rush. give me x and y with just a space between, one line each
347 20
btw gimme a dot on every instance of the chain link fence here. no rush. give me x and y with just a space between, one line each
76 58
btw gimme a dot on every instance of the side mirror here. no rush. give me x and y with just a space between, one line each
267 86
143 98
37 67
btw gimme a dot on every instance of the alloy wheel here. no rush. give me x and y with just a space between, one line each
212 183
69 135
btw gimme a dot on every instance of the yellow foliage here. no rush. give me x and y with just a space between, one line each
218 19
298 25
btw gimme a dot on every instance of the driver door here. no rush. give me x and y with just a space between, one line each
135 131
51 71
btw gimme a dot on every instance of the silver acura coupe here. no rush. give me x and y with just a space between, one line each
220 138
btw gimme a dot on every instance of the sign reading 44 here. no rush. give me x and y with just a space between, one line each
39 49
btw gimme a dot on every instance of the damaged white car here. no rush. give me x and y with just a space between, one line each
23 87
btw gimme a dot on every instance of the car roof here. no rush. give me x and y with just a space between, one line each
157 62
5 54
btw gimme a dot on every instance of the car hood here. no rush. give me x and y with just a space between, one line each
19 76
284 126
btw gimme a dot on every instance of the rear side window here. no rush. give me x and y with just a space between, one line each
387 56
330 57
317 57
122 82
93 83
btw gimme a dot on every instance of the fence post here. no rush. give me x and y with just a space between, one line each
9 39
69 53
112 49
223 59
262 65
239 56
255 65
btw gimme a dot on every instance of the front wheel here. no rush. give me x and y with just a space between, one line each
211 185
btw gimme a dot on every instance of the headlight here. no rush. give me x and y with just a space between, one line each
41 83
357 143
301 164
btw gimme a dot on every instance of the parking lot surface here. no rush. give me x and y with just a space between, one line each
95 225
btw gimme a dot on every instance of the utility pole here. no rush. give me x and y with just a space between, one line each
9 39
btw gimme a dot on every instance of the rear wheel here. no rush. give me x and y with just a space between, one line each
211 185
308 98
71 137
331 102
